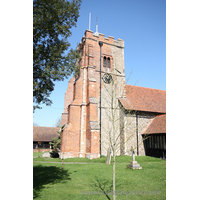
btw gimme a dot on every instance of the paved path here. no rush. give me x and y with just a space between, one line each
69 162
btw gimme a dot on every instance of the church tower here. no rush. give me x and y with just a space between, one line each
84 134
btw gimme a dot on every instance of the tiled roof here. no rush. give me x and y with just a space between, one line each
144 99
158 125
44 134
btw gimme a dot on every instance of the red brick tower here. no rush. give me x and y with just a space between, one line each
81 135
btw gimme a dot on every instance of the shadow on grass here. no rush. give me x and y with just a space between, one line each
43 175
103 186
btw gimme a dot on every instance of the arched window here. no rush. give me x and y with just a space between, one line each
104 61
74 90
108 62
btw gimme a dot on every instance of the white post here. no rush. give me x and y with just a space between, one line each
96 25
89 20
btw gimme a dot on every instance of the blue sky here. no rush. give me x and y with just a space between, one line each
142 26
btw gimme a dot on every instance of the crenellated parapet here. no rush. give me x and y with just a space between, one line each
101 37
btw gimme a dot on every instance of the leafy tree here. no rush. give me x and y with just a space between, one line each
55 144
52 21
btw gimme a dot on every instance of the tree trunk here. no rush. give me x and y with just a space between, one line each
114 174
114 142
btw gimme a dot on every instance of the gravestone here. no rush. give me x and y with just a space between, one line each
133 164
46 154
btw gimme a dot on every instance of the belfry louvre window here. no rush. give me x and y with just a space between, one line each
106 62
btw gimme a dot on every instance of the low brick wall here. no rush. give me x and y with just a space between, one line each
41 150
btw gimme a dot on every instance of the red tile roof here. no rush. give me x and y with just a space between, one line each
158 125
44 134
144 99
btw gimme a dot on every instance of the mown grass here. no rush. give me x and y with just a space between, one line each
102 159
77 181
37 154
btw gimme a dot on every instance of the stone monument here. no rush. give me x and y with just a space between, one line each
133 164
46 154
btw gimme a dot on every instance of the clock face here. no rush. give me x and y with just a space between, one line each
107 78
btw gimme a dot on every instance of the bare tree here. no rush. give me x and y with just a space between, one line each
115 124
35 124
58 122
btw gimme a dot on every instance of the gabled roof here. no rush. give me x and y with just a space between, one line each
158 125
144 99
44 134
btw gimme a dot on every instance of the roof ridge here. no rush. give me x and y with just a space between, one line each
46 126
145 87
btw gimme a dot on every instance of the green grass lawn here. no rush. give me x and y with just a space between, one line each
37 154
77 181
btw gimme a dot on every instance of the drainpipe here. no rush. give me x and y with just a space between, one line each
137 133
100 44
